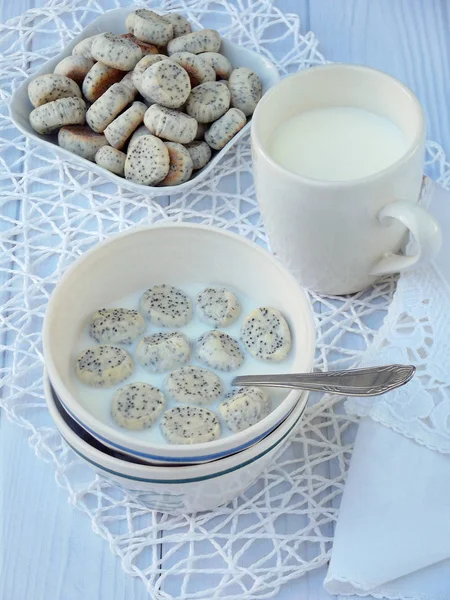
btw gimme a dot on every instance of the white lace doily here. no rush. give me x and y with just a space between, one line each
411 334
53 211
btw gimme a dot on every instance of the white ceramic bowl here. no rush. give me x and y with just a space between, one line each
114 21
177 489
127 263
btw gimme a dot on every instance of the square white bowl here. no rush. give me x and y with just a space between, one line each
114 21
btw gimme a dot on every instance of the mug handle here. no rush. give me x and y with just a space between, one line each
424 228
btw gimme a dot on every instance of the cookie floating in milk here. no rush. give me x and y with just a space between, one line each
158 361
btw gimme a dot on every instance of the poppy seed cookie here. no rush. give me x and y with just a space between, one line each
137 405
111 159
149 27
221 132
116 325
181 165
193 384
205 40
116 51
163 351
198 69
166 306
208 101
245 89
53 115
81 140
99 79
200 154
220 351
147 161
51 86
119 130
142 66
140 131
104 366
146 48
170 124
166 83
190 425
218 306
107 107
181 26
128 82
245 408
84 47
219 63
74 67
266 335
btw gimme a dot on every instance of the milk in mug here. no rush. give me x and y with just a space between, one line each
337 143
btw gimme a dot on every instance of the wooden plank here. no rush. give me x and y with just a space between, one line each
407 39
9 9
48 548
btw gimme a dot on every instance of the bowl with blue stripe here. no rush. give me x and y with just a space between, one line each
180 489
177 254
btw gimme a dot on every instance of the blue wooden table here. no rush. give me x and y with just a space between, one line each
47 548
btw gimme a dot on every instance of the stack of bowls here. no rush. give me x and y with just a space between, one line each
177 478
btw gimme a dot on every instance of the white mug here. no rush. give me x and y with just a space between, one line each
339 237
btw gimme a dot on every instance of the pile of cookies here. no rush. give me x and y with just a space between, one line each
149 105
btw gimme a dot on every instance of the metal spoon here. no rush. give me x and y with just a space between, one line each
371 381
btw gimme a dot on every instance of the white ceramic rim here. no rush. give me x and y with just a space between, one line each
171 474
92 166
278 88
176 452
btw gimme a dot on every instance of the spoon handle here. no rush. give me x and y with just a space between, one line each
371 381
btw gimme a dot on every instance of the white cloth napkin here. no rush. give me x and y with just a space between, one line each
392 538
393 534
